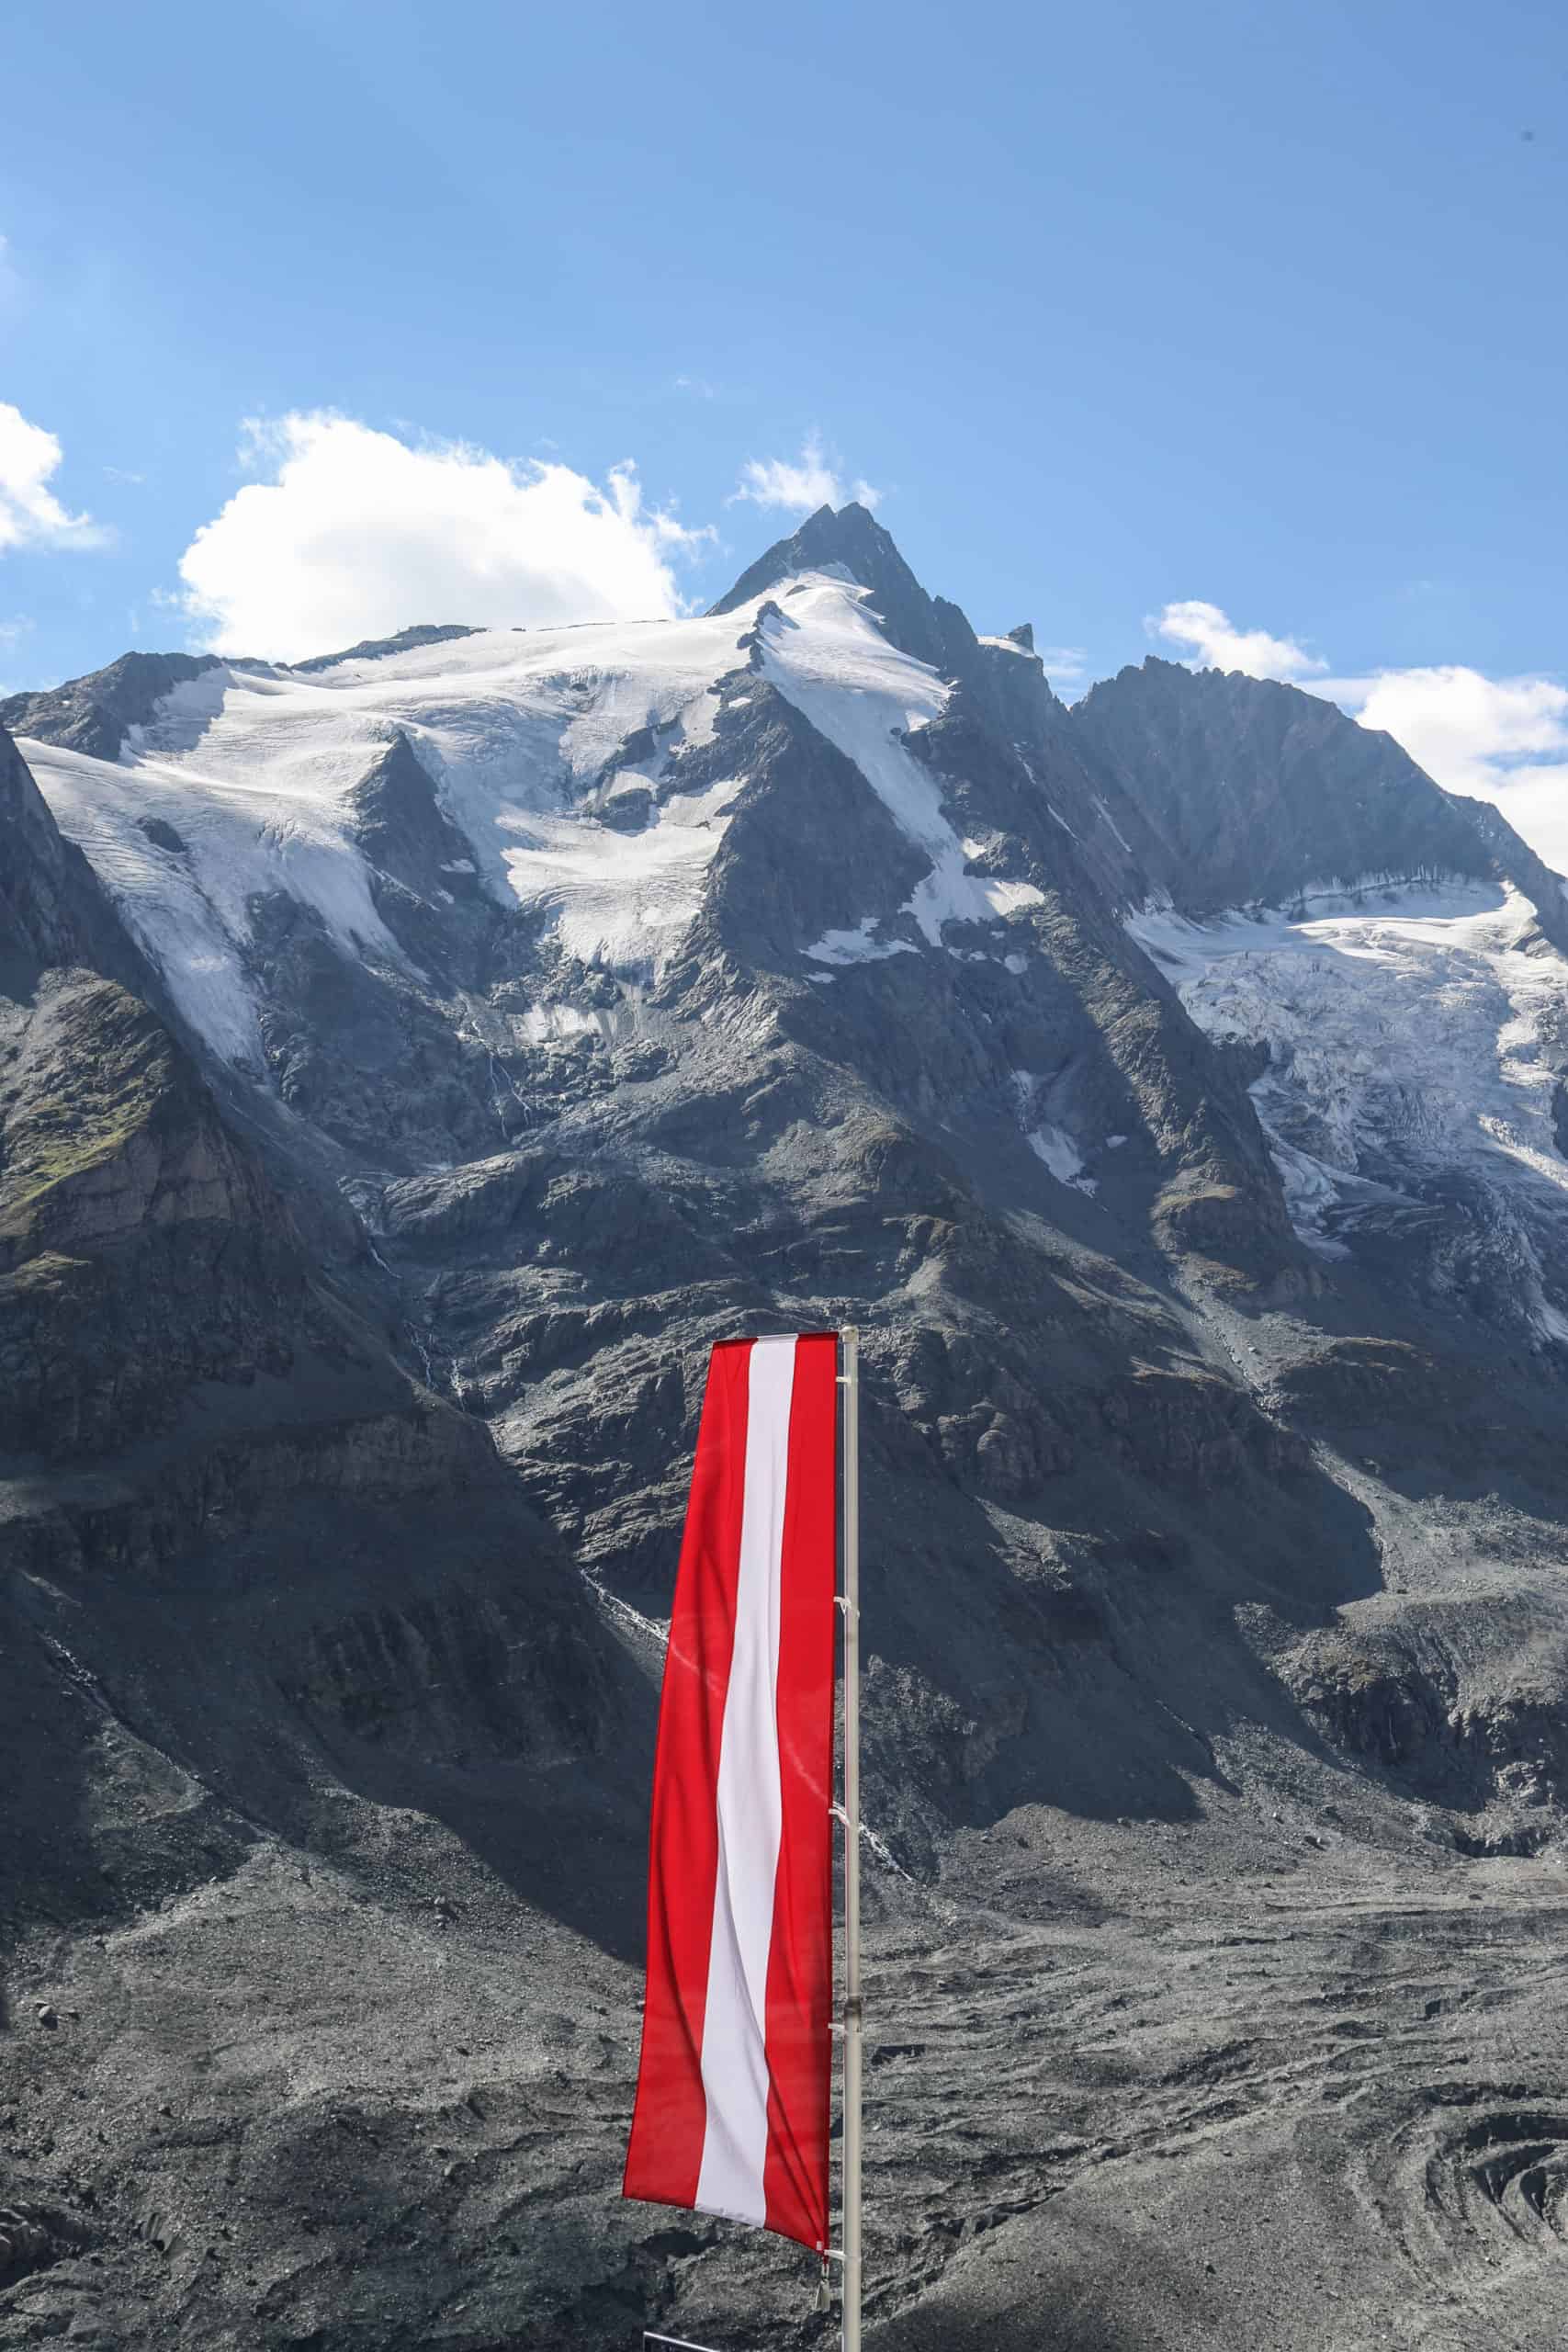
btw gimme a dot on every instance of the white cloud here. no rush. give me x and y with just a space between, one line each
1217 644
800 486
31 514
1466 729
354 533
1502 740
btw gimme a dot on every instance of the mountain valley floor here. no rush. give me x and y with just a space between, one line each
1284 2078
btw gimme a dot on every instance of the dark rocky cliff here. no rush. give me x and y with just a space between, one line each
1262 793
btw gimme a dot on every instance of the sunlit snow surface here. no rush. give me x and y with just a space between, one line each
824 653
1413 1043
251 769
858 946
191 910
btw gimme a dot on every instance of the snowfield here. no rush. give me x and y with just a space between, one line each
1412 1041
245 778
251 770
185 887
619 899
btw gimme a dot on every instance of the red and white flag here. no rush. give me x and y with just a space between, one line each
734 2087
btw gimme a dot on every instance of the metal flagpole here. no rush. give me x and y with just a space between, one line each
850 1602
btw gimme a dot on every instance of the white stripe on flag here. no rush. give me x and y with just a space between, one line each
750 1815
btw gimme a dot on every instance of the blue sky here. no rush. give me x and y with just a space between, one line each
1255 312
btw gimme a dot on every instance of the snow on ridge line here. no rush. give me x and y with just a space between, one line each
527 713
828 658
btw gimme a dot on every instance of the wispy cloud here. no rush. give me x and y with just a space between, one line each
799 485
1214 642
120 474
31 513
1065 665
350 532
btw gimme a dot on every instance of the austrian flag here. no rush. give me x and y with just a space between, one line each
733 2091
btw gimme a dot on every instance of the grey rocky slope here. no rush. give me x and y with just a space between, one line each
583 997
1261 793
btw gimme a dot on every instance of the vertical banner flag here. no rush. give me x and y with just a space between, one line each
734 2087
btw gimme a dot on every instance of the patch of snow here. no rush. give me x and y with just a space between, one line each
1016 962
654 1629
1049 1141
839 572
1551 1322
857 946
1059 1152
1114 825
544 1024
181 717
1061 820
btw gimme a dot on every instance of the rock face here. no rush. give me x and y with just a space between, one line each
94 714
1263 795
381 1149
53 909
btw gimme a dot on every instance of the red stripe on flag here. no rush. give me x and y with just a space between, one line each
671 2118
800 1965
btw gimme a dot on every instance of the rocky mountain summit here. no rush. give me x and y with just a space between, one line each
410 1062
